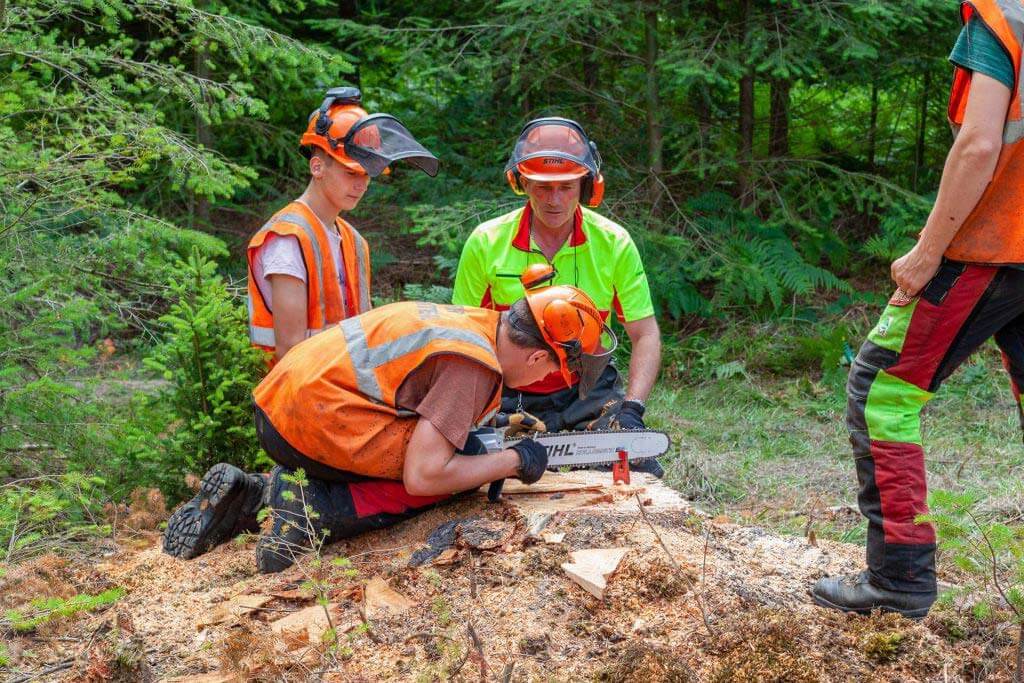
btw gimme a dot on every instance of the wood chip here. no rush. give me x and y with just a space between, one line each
379 598
553 537
212 677
590 568
537 522
304 627
293 594
450 556
238 606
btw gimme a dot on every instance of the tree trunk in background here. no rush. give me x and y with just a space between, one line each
922 126
349 9
200 216
654 132
746 144
873 125
590 74
746 149
778 134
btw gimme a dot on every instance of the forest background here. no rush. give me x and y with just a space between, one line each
770 159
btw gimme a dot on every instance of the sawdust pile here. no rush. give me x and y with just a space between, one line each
491 598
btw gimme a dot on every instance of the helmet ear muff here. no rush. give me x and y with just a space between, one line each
512 176
591 190
562 322
344 95
596 193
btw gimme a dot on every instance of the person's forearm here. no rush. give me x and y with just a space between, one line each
968 170
462 473
644 366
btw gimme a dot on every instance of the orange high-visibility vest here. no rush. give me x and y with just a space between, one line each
326 301
332 397
994 232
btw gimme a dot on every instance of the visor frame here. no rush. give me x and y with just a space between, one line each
347 146
591 162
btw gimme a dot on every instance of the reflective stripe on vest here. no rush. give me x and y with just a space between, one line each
366 360
364 271
318 257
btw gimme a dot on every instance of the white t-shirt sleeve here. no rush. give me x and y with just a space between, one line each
279 255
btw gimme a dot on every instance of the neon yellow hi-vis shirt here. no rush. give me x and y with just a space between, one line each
599 258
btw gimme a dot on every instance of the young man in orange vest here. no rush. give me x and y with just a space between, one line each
558 168
378 411
962 284
308 267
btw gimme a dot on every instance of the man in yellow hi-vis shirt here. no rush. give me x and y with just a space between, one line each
558 168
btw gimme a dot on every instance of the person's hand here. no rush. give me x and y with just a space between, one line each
915 269
519 423
630 416
533 460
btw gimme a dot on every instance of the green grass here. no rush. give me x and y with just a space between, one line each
771 449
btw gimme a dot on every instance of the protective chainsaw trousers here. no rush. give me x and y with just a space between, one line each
384 501
912 349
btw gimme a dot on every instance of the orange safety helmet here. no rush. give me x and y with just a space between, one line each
332 122
570 325
554 149
361 141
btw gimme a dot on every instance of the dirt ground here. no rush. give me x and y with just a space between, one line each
692 599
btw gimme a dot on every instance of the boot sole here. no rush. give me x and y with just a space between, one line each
195 528
915 614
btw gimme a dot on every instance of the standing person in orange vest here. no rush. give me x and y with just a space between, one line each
308 267
962 284
378 411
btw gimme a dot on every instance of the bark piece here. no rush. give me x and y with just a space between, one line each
590 568
238 606
485 534
379 597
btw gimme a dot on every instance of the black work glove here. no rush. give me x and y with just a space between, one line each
533 460
631 416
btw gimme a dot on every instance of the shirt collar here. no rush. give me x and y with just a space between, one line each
521 240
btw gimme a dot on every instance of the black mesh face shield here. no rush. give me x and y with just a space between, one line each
378 140
553 141
588 367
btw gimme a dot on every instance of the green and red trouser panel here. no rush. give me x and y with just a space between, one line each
912 349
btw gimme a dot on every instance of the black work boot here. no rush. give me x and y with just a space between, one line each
855 593
292 533
226 505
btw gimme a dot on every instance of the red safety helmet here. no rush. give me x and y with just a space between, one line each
570 325
554 149
363 142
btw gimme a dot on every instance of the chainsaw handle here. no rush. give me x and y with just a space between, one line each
494 490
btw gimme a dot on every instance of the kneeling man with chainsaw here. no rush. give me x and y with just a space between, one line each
557 240
378 412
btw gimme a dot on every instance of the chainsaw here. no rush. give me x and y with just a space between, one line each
583 449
